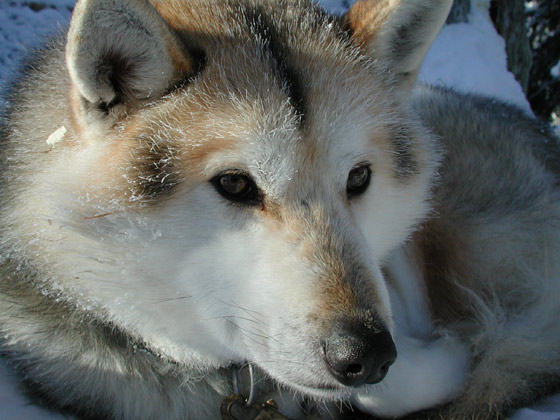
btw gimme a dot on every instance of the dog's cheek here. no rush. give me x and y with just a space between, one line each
275 294
384 222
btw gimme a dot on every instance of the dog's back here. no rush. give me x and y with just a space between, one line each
489 252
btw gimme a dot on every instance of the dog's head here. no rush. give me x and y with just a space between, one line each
238 171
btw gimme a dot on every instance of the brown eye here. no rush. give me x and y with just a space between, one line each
234 184
237 186
358 180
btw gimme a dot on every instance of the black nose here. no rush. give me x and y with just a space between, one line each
359 355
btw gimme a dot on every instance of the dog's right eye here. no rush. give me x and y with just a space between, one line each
237 186
358 180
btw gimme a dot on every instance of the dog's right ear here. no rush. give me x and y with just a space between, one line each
397 32
123 51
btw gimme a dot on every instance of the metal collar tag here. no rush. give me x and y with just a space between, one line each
266 411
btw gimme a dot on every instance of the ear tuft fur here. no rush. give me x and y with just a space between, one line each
399 32
123 50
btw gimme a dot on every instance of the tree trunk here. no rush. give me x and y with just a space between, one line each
509 19
459 11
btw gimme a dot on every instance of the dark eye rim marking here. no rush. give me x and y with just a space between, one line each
249 195
265 30
361 173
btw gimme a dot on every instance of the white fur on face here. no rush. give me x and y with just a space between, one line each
209 283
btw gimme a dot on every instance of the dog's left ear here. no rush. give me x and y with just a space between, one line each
123 50
398 32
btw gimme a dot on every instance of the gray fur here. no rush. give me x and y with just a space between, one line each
491 247
119 50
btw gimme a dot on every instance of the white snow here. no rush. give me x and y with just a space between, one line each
555 71
22 28
14 405
469 57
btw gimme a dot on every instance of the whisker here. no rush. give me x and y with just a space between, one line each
156 301
234 317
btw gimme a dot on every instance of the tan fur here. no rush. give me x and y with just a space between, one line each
366 17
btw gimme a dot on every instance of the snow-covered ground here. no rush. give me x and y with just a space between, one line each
469 57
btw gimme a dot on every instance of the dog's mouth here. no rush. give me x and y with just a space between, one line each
321 391
324 392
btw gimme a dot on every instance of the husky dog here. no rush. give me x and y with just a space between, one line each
189 187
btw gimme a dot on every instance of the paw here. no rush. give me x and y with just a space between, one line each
424 375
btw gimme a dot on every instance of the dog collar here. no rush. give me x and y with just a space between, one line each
248 408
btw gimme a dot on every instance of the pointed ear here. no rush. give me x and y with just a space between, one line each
399 32
123 51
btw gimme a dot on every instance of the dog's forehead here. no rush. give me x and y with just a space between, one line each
276 52
280 90
252 112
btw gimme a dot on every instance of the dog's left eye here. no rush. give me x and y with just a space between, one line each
358 180
237 186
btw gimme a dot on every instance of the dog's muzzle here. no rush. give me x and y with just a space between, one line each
357 355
